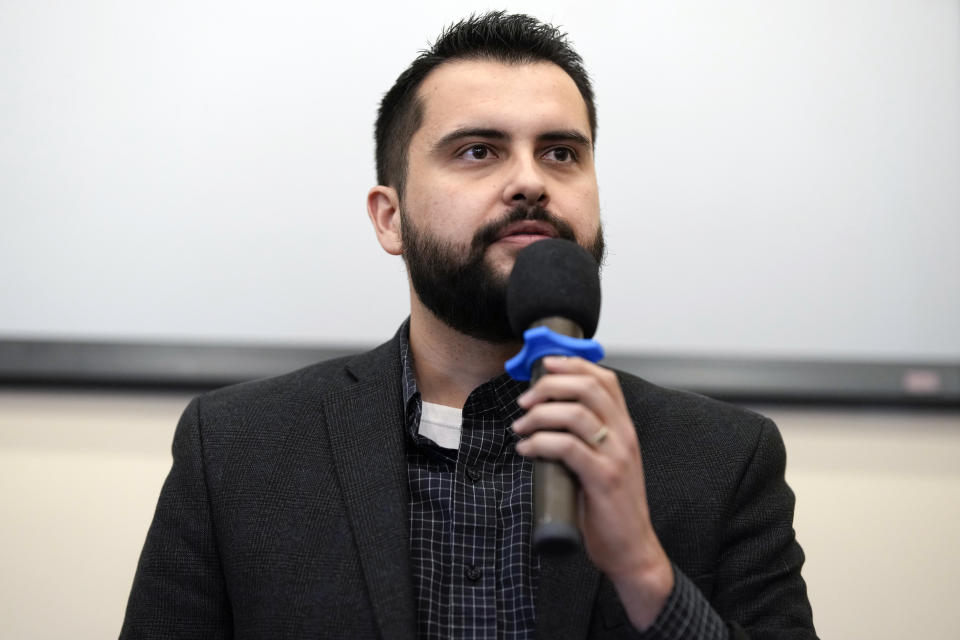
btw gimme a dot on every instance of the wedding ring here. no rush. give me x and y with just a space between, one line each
598 437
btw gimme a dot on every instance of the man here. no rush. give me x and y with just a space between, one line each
389 494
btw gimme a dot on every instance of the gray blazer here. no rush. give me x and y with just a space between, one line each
285 516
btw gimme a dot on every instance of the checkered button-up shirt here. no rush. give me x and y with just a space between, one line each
471 514
471 518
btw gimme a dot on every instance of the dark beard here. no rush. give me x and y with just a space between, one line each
466 293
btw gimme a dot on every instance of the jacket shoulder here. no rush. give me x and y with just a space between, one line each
675 408
298 389
691 440
308 380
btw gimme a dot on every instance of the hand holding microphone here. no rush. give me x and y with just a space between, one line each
553 300
577 416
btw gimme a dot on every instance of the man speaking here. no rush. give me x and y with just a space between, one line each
389 495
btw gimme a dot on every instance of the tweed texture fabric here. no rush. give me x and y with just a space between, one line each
285 515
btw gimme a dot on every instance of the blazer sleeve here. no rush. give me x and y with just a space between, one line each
757 591
758 586
179 589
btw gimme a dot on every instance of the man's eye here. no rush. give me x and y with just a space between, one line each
561 154
476 152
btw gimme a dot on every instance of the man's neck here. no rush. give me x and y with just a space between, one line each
448 364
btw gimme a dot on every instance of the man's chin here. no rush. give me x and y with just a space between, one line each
500 258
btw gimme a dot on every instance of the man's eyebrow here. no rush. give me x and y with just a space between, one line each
470 132
566 135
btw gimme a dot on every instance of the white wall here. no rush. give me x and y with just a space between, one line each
777 178
878 512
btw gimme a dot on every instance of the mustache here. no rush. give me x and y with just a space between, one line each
487 234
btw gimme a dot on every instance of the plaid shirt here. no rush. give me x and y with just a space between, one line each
471 518
471 513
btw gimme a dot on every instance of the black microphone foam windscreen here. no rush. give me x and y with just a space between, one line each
554 278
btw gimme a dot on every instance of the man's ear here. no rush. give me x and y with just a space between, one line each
383 207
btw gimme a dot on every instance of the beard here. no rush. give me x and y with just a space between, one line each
465 292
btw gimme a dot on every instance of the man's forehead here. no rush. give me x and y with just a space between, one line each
491 93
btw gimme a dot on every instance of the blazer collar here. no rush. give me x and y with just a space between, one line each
365 421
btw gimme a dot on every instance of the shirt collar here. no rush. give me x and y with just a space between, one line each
502 389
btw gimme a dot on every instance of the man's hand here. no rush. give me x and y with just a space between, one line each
581 398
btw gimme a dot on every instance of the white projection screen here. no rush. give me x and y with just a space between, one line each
780 187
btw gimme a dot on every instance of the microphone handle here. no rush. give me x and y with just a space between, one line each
555 529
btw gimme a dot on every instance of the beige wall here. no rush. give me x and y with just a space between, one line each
878 512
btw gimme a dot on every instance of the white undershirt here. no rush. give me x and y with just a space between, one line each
441 424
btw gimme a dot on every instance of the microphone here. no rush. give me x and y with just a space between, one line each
553 300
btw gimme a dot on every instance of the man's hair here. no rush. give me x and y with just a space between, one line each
498 36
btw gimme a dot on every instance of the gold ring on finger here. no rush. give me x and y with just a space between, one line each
598 437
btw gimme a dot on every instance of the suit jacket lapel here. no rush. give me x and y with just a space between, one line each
566 596
365 421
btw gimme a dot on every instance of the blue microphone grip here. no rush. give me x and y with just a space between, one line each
540 342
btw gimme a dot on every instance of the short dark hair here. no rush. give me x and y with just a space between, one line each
508 38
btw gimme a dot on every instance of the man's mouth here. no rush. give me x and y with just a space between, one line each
526 231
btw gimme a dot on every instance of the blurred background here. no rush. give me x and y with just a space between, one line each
182 206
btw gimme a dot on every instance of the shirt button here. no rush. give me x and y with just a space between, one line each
473 473
473 573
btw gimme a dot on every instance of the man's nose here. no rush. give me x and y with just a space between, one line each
525 182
